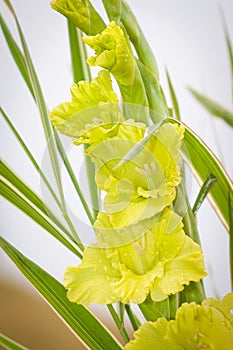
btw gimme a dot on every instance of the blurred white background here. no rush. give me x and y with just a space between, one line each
187 37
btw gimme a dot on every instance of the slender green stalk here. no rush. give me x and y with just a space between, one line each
133 319
81 71
173 97
72 176
118 322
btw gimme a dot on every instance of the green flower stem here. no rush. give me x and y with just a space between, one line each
183 208
152 310
119 10
118 322
133 319
81 71
92 185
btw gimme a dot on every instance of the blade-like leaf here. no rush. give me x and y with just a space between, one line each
16 54
229 47
231 235
12 194
214 108
73 178
14 180
30 156
204 162
9 344
83 323
173 97
205 188
48 130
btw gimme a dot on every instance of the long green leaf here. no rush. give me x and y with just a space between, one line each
13 195
16 54
83 323
30 156
9 344
45 121
231 235
204 162
72 176
214 108
229 47
21 64
23 188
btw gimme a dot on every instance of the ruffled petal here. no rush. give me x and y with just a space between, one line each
205 326
113 52
93 113
128 273
92 280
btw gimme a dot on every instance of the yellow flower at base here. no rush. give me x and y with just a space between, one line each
159 263
205 326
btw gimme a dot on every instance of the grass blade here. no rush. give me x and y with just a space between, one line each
16 54
205 188
45 121
118 322
173 97
81 321
13 195
213 108
204 162
27 192
229 47
231 235
30 156
73 178
9 344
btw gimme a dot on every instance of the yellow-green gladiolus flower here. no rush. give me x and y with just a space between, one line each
159 263
146 184
92 114
205 326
